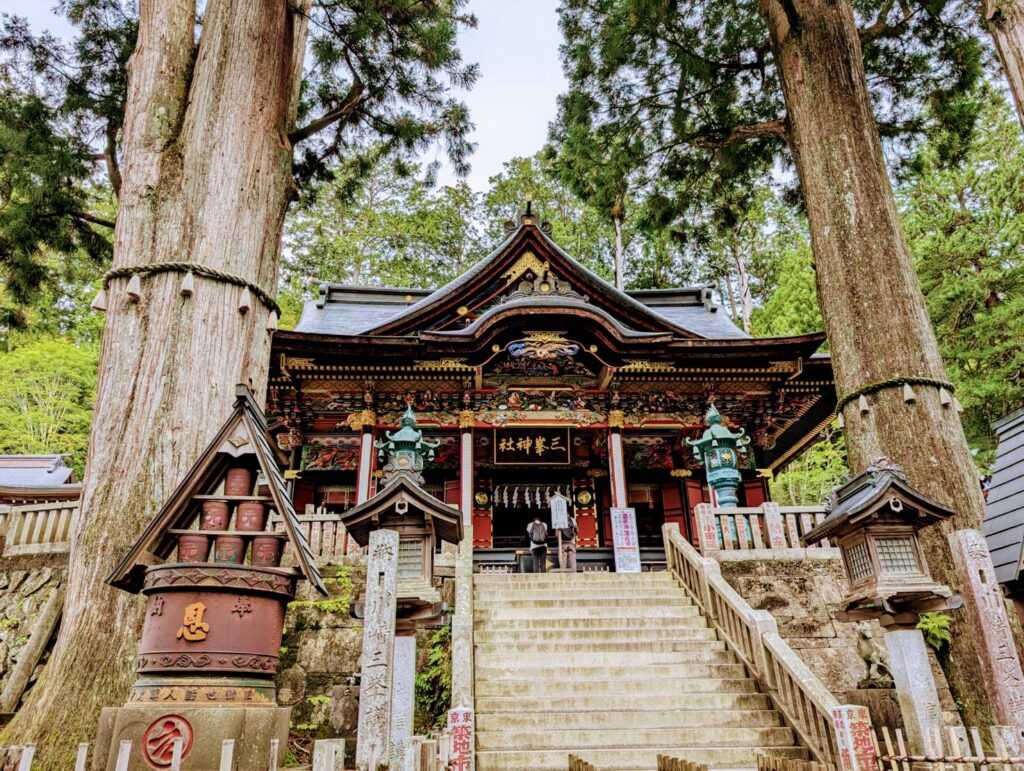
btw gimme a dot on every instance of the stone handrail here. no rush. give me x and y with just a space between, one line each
753 636
39 528
768 526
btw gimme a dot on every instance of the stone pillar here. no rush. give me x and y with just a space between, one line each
616 460
462 621
852 725
986 611
774 525
365 462
461 756
707 530
374 733
915 685
403 690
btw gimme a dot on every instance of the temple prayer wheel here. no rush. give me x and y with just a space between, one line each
213 623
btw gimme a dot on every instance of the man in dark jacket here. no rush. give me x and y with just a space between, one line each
538 533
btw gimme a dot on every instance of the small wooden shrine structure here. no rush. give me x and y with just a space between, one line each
209 565
539 377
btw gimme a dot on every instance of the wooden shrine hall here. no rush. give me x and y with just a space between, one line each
538 376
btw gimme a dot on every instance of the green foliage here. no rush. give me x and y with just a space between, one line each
936 629
9 623
319 699
434 683
807 480
46 398
965 227
791 306
370 227
575 226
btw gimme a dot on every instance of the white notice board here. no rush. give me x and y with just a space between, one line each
624 540
559 512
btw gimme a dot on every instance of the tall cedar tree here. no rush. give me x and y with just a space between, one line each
208 146
1004 19
707 95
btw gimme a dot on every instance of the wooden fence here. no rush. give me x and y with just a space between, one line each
769 526
578 764
771 763
665 763
953 749
324 533
39 528
752 635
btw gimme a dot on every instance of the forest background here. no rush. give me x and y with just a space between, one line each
379 218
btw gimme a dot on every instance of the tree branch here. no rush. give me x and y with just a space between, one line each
714 139
881 28
110 157
347 106
92 218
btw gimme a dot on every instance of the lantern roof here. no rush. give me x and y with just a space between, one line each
883 485
243 435
403 497
718 432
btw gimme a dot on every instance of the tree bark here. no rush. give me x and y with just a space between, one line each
871 301
206 178
1004 19
619 272
743 283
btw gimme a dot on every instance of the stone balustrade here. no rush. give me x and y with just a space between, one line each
809 707
768 527
39 528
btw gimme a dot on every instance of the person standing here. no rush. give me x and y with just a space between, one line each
569 544
538 533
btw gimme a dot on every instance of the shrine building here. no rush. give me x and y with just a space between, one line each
538 376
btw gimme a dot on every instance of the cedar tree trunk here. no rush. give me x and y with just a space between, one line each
207 179
871 301
1005 20
619 271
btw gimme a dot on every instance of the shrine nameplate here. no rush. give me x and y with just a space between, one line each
531 446
625 541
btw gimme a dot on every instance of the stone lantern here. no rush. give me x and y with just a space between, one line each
875 519
401 526
719 450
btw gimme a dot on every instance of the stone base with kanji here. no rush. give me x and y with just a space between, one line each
152 729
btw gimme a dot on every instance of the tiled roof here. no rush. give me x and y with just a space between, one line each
34 471
1004 511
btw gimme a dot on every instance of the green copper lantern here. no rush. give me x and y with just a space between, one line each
405 450
719 450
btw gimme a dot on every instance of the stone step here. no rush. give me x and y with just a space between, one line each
655 717
567 699
652 688
593 576
626 645
525 592
561 615
560 658
524 668
619 623
639 601
594 630
610 738
630 758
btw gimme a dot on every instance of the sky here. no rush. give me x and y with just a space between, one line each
516 46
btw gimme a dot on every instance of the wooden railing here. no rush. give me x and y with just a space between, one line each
324 533
772 763
666 763
753 636
39 528
952 749
768 526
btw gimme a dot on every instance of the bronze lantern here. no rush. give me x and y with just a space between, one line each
875 519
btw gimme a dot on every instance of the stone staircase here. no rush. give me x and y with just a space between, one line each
614 668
